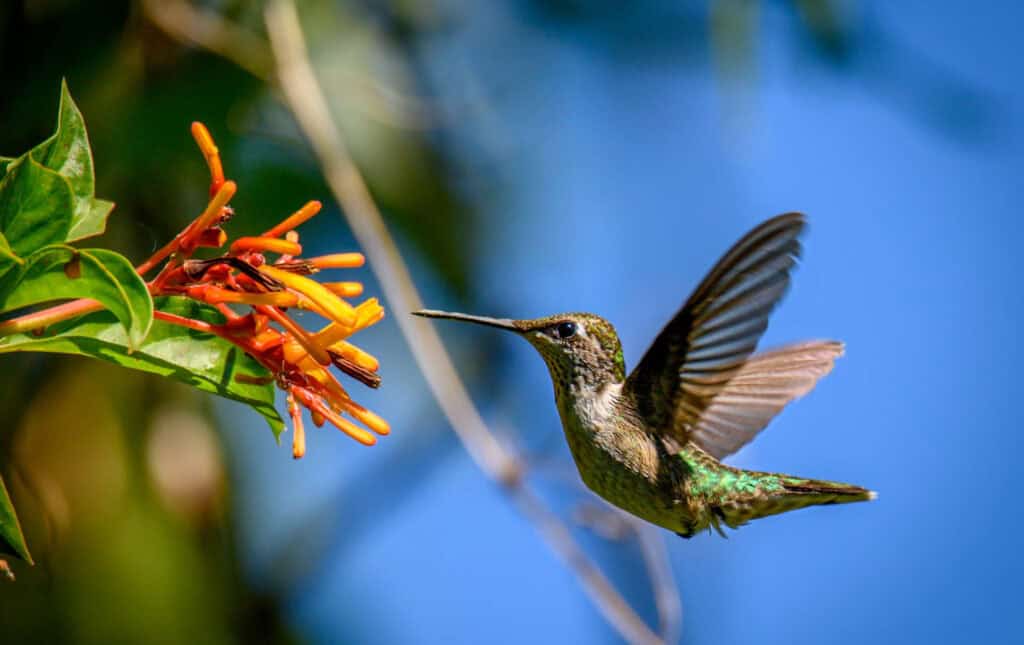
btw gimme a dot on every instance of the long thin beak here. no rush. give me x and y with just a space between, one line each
500 323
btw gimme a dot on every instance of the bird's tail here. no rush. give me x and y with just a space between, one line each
782 493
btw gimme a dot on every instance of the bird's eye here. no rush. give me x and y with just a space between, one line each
565 330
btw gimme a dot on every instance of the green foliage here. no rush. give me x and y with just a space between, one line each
35 206
11 539
61 271
202 360
47 201
67 154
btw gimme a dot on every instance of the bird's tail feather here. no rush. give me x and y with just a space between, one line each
782 493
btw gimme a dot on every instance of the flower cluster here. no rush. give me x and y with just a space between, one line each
253 285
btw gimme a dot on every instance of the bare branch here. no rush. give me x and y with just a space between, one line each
207 29
249 50
663 583
305 97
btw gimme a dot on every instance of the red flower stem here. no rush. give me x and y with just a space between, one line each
186 238
202 326
197 325
227 311
50 316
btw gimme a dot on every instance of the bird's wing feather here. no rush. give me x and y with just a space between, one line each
708 341
758 391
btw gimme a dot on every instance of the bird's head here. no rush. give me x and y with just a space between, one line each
579 348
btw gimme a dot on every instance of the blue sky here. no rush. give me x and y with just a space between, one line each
621 183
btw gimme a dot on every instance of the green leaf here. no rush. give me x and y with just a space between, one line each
202 360
35 206
61 271
68 153
11 539
4 162
7 258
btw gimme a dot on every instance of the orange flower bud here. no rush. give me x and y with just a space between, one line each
346 426
274 245
367 418
294 220
210 153
339 261
344 289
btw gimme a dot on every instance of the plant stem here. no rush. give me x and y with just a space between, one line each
46 317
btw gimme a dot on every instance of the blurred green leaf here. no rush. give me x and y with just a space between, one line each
61 271
202 360
11 539
4 162
68 154
35 206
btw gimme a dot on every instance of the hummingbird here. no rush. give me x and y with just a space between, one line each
651 443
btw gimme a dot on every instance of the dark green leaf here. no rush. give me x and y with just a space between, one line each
11 539
61 271
68 153
35 206
4 162
199 359
7 258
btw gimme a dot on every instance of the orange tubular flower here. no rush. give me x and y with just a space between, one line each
339 261
336 309
300 361
295 219
274 245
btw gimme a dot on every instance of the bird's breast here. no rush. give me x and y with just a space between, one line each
619 461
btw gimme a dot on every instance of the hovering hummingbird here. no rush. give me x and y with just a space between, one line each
650 443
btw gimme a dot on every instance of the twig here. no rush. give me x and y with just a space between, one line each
250 51
663 584
303 93
207 29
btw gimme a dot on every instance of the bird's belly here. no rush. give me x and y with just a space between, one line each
631 490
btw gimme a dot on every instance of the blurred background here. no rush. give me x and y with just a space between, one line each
536 156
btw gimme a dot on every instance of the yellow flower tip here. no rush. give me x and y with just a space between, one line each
212 214
345 289
263 243
317 406
296 219
318 419
368 313
352 430
361 358
367 418
339 261
331 334
336 309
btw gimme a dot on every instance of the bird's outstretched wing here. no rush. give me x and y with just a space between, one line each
708 343
758 391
